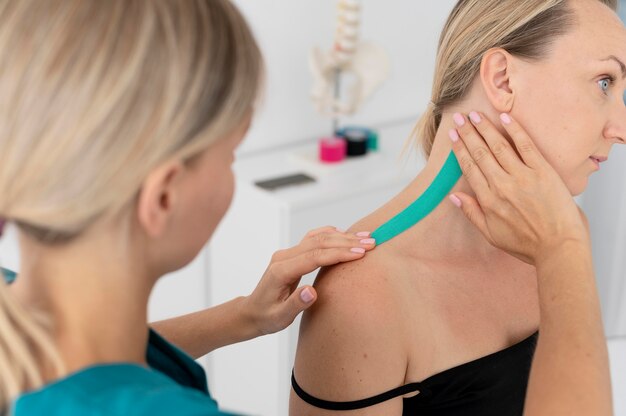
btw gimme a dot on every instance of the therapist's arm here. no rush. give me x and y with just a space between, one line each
274 303
522 206
201 332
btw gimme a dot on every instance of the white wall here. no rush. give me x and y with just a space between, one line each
287 30
605 205
9 250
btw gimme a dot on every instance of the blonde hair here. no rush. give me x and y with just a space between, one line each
93 96
523 28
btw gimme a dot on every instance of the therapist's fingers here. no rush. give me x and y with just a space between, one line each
326 229
502 150
279 315
327 238
292 269
300 300
290 252
277 300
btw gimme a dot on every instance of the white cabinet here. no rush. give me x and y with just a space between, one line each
254 377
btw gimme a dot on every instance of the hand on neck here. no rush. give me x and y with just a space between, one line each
447 228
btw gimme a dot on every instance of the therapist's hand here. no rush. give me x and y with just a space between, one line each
522 205
277 299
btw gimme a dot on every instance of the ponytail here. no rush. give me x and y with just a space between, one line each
426 127
26 349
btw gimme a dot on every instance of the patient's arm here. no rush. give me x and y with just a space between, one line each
570 372
351 342
529 212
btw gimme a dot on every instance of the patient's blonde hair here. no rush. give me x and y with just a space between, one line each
94 94
525 28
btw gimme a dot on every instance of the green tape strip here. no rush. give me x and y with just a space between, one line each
447 177
8 275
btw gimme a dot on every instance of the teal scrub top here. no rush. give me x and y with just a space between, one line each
172 384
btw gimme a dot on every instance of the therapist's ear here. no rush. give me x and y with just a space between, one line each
158 197
496 70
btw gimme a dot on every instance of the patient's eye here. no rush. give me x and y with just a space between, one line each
605 83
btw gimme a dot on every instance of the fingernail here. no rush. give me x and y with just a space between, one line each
454 136
357 250
368 241
363 234
475 117
306 295
455 200
339 230
506 119
459 120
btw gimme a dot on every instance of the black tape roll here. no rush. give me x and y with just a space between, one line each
357 142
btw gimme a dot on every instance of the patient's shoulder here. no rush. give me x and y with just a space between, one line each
352 343
358 302
368 284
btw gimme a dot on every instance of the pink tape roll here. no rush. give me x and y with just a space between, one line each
332 149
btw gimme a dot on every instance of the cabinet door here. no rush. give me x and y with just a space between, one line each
244 377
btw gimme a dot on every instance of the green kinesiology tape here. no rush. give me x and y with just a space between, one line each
447 177
8 275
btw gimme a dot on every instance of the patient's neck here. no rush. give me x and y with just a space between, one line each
447 229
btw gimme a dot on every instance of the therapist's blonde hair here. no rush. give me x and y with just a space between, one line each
94 94
525 28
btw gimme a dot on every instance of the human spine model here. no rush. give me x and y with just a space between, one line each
363 62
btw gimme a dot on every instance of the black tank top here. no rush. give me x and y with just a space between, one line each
494 385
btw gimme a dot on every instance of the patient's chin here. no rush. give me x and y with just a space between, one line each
577 187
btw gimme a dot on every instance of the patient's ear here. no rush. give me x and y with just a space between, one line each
158 198
496 73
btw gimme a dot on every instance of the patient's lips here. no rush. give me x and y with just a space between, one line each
597 160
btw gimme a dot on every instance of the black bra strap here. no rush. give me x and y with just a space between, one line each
356 404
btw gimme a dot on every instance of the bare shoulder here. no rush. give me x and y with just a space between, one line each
367 283
352 343
360 280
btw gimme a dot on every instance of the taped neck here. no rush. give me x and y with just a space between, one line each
445 180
